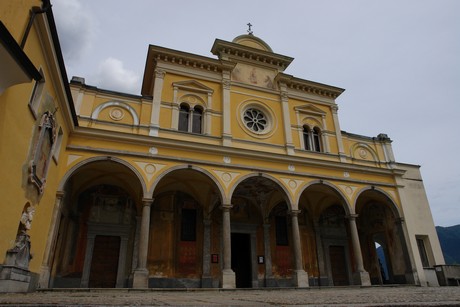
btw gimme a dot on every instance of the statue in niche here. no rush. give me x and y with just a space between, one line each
20 254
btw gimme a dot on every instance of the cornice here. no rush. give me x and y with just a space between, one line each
308 86
107 151
150 141
158 54
224 50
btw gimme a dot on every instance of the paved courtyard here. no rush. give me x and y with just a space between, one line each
349 296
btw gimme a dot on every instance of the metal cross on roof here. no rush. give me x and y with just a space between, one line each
249 30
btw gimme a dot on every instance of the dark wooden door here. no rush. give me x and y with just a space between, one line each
338 265
104 264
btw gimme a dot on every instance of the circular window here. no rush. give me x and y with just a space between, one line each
255 120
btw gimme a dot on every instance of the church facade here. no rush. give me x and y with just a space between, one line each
225 172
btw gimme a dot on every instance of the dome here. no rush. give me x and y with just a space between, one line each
252 41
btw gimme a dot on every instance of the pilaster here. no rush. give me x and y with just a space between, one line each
45 269
338 133
286 119
156 102
227 130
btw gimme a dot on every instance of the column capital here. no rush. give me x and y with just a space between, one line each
226 84
60 194
352 217
147 201
160 73
226 206
295 212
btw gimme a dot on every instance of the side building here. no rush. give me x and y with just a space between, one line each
225 172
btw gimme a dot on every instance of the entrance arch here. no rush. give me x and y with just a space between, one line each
257 200
325 233
185 230
384 248
95 241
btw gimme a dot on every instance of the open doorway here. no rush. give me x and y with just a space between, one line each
241 259
382 261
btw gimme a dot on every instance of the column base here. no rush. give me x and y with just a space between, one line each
44 279
412 278
290 149
300 279
141 278
228 280
14 279
227 140
153 131
206 282
362 278
270 282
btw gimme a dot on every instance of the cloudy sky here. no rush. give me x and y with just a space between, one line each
399 62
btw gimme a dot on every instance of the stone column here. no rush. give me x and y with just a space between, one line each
361 275
141 274
156 102
338 133
206 280
228 276
269 280
300 276
45 269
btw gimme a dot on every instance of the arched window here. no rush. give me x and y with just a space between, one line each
190 120
316 139
307 137
197 119
312 138
183 117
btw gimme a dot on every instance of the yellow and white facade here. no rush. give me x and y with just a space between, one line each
224 172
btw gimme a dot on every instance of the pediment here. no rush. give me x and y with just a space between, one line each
192 85
310 109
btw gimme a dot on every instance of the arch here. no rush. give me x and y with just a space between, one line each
252 41
366 147
348 209
193 167
192 100
393 207
80 164
289 197
123 105
311 122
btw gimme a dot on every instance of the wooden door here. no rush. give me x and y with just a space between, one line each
104 263
338 265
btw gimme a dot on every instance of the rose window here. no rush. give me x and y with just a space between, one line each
255 120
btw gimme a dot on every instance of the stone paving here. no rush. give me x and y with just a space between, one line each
338 296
